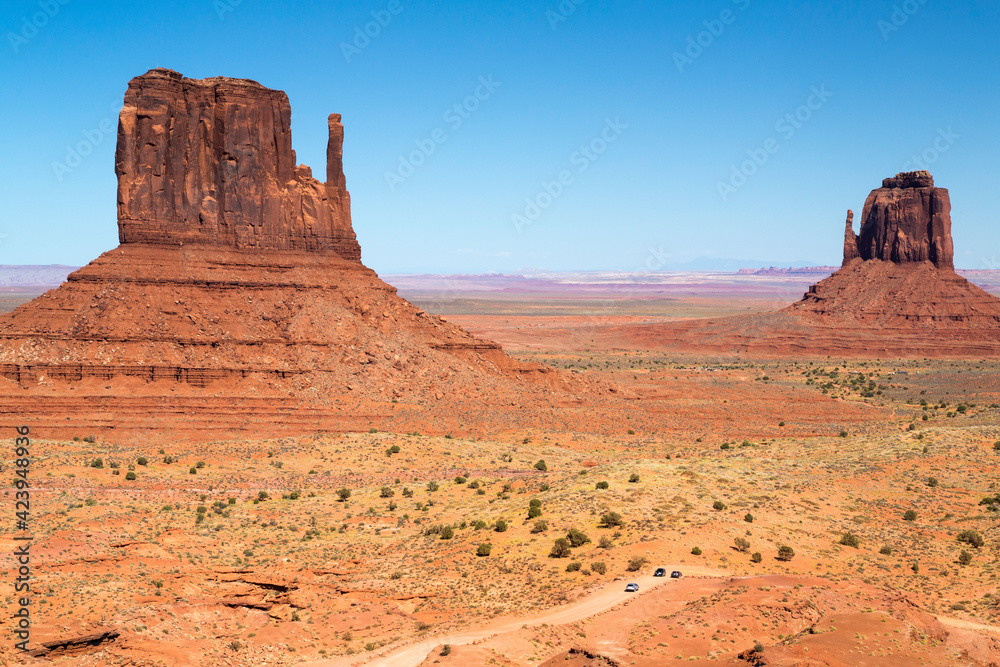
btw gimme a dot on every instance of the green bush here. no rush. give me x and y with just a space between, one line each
636 563
785 553
386 492
696 551
602 485
540 526
748 517
560 548
262 495
432 486
932 482
192 470
756 557
611 520
599 567
97 463
886 550
480 525
142 460
972 538
742 544
541 465
534 502
534 512
577 538
447 532
460 480
500 526
633 478
910 515
573 567
964 558
343 494
718 505
130 476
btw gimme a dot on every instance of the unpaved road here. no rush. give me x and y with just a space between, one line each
604 598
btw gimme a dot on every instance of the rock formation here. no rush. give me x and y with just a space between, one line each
906 220
897 293
211 162
237 295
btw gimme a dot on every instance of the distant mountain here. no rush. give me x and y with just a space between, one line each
44 275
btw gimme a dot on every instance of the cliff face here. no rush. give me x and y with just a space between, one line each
906 220
211 162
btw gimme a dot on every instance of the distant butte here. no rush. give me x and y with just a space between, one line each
897 293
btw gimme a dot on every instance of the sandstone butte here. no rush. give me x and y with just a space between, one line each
896 294
236 299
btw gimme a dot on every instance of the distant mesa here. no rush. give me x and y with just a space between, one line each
237 298
896 294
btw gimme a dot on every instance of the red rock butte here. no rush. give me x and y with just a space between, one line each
237 298
896 295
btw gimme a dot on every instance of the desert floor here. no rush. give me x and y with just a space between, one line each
379 547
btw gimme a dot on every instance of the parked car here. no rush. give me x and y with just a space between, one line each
632 588
660 572
675 575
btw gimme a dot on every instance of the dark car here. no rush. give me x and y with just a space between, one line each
632 588
660 572
675 575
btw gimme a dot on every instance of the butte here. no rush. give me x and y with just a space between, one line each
237 301
896 294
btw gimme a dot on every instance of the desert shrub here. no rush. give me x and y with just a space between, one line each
447 532
964 558
756 557
631 431
560 548
543 488
886 550
192 470
843 434
394 449
534 512
577 538
235 645
602 485
262 495
386 492
633 478
636 563
407 493
910 515
611 520
971 537
540 526
850 540
460 480
392 505
748 517
232 501
534 502
742 544
343 494
130 476
168 459
696 551
474 484
605 542
90 438
573 567
500 526
786 553
97 463
718 505
432 486
446 649
724 446
142 460
996 445
932 482
199 464
480 524
541 465
599 567
433 530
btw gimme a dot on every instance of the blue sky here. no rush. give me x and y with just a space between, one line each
608 135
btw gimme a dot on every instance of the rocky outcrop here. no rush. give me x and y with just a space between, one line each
211 162
906 220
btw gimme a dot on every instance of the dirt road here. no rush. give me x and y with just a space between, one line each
604 598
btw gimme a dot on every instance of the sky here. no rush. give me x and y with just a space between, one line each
515 136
